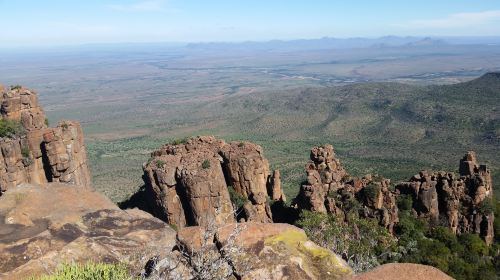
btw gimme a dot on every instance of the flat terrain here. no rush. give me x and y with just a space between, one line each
390 110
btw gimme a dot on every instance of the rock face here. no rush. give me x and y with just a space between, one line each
458 202
189 184
268 251
38 154
44 226
330 189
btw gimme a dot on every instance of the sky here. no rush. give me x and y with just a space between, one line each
70 22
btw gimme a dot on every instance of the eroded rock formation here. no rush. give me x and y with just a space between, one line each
189 184
458 202
329 189
35 153
462 203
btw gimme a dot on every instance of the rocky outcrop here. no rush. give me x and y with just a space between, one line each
329 189
20 104
462 203
266 251
65 152
42 227
189 184
35 153
458 202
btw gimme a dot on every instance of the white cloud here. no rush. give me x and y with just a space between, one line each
141 6
457 20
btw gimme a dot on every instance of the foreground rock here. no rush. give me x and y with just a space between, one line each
460 202
189 184
261 251
402 271
35 153
42 227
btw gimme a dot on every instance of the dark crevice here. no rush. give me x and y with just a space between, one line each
47 168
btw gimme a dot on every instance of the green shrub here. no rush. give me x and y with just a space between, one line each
46 121
179 141
361 242
237 199
160 163
241 144
88 271
405 202
10 128
15 87
205 164
371 191
486 207
25 152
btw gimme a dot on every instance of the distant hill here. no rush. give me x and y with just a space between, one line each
394 128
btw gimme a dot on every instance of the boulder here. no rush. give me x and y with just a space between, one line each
44 226
267 251
402 271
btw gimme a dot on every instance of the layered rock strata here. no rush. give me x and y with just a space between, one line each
35 153
190 184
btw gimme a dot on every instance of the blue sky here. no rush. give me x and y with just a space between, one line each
63 22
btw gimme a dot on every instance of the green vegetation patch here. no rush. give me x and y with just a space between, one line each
88 271
11 128
205 164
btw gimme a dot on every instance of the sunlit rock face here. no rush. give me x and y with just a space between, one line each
189 183
36 153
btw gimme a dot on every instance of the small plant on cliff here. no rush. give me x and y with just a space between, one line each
46 121
10 128
179 141
486 207
205 164
241 144
371 191
160 163
64 126
237 199
15 87
25 152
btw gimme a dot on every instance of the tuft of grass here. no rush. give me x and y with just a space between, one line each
46 121
205 164
160 163
237 199
15 87
179 141
88 271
